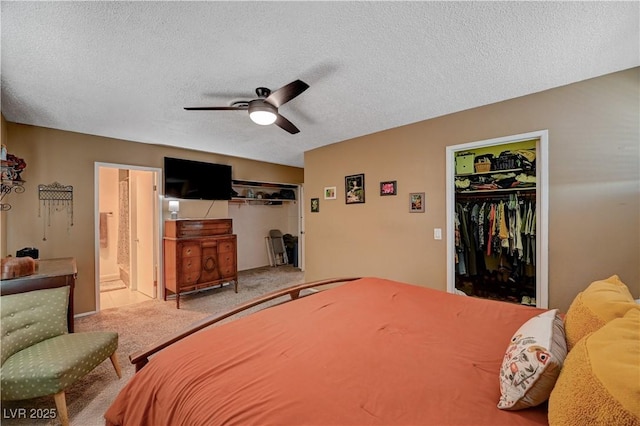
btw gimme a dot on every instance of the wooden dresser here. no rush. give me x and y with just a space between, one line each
198 253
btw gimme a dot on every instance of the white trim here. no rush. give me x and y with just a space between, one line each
542 220
85 314
301 236
542 207
157 235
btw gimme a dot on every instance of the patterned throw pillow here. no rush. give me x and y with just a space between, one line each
532 362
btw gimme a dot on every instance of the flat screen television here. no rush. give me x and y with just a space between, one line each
196 180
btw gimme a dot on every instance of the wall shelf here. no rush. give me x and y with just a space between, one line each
12 167
261 193
6 188
260 201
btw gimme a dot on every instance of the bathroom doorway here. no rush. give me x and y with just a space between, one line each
127 235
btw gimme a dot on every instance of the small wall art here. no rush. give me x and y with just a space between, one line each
388 188
354 189
416 202
330 193
315 205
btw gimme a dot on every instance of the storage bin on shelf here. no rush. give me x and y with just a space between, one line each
483 166
464 163
507 161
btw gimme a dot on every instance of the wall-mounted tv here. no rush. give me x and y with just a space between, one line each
196 180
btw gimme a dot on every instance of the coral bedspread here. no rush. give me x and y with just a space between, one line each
370 352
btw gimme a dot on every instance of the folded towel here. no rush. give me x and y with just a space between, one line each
104 231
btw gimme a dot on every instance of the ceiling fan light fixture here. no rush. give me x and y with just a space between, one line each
262 112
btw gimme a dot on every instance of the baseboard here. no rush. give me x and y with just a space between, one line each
109 277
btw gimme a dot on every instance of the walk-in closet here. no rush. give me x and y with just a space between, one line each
495 218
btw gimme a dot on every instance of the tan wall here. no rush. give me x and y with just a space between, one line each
252 224
594 189
69 158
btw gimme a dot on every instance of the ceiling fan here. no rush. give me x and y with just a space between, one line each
264 110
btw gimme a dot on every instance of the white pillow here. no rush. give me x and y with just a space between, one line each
532 362
459 292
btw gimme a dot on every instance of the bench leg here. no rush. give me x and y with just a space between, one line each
116 364
61 406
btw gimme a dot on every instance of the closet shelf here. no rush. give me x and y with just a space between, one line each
492 172
490 191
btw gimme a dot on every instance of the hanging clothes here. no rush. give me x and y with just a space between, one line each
496 227
461 265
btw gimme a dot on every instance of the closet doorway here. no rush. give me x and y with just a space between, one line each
127 234
497 208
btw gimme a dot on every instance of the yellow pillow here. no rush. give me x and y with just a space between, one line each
600 381
598 304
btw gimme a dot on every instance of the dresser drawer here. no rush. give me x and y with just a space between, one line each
191 269
225 259
229 272
188 278
190 250
198 228
226 246
227 265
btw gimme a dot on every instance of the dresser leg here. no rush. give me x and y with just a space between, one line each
236 286
178 300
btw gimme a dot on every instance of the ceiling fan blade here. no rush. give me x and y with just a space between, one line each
285 124
231 108
286 93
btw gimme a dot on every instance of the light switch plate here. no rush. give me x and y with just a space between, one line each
437 233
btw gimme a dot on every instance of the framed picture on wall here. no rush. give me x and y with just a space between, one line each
354 189
416 202
330 193
388 188
315 205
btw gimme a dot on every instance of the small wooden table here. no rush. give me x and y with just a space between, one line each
50 273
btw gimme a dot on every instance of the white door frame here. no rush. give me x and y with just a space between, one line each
96 227
301 236
135 177
542 207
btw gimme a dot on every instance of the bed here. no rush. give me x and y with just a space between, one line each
368 352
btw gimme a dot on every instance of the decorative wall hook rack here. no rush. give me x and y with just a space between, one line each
52 198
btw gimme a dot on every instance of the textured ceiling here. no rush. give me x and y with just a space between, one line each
126 69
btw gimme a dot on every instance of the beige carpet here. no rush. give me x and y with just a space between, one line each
139 326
